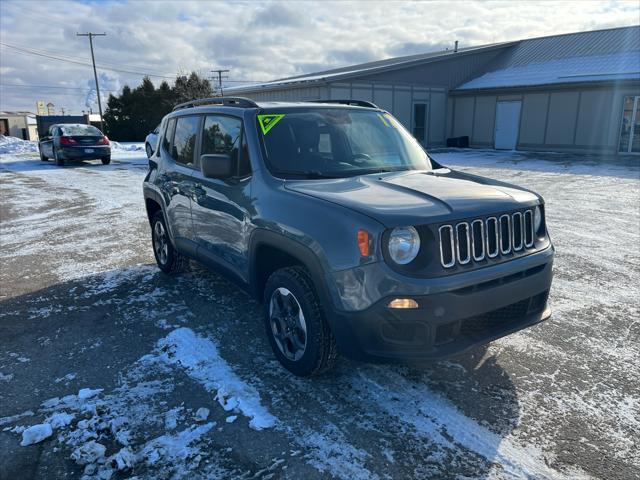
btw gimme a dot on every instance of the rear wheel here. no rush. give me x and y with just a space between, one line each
297 330
56 156
169 260
106 160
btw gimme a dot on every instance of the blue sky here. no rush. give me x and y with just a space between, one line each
257 41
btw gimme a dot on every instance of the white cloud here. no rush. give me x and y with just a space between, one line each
257 41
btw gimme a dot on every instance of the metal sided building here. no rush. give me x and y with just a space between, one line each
577 92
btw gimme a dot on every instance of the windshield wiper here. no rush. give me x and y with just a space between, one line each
310 174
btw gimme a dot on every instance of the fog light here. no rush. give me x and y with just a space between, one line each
403 303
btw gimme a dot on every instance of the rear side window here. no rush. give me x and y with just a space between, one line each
184 141
168 134
223 135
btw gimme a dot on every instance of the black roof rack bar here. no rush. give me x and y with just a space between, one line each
226 101
357 103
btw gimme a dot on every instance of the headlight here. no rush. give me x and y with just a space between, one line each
537 220
404 244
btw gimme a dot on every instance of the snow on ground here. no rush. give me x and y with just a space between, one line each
83 217
560 400
201 359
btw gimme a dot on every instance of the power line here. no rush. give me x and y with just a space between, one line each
48 87
79 62
103 65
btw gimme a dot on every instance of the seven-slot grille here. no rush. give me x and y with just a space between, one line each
478 239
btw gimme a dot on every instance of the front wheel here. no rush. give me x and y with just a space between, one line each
149 150
106 160
296 328
169 260
42 156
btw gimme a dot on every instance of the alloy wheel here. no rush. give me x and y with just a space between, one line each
160 243
287 324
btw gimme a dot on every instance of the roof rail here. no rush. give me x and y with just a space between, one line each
357 103
226 101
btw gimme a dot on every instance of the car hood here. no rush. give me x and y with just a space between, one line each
415 197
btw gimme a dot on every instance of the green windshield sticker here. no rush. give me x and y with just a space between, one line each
268 121
384 120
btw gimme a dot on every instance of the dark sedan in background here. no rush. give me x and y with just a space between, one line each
68 142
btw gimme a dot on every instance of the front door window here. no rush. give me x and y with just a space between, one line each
630 129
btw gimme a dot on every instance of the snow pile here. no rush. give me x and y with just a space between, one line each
202 361
130 147
36 434
60 419
15 145
90 452
86 393
124 459
202 414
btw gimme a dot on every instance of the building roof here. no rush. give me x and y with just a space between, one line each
612 54
15 113
368 68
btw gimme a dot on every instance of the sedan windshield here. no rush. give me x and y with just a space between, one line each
80 130
337 142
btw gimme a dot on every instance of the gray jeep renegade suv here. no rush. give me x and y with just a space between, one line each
353 237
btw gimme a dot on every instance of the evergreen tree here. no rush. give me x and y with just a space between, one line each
135 112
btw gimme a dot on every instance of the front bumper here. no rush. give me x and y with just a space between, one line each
81 153
500 301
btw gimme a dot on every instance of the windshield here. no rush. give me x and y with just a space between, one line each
80 130
338 142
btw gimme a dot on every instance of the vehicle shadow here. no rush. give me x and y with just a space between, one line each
444 420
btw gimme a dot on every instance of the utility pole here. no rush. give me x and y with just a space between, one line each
95 73
220 72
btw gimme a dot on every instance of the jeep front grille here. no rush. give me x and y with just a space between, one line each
462 242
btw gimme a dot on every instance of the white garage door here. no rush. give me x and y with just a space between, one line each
507 125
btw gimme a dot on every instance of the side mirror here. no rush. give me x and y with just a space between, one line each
216 166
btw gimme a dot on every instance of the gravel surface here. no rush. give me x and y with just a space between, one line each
123 361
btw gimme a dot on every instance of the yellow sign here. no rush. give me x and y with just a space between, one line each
268 121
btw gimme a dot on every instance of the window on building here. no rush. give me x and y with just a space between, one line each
184 140
630 128
420 122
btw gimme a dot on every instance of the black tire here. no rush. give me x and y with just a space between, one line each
43 158
169 260
320 352
59 160
106 160
149 150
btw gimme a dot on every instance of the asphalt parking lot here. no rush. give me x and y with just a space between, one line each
120 360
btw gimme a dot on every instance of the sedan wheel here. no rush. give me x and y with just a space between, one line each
149 150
